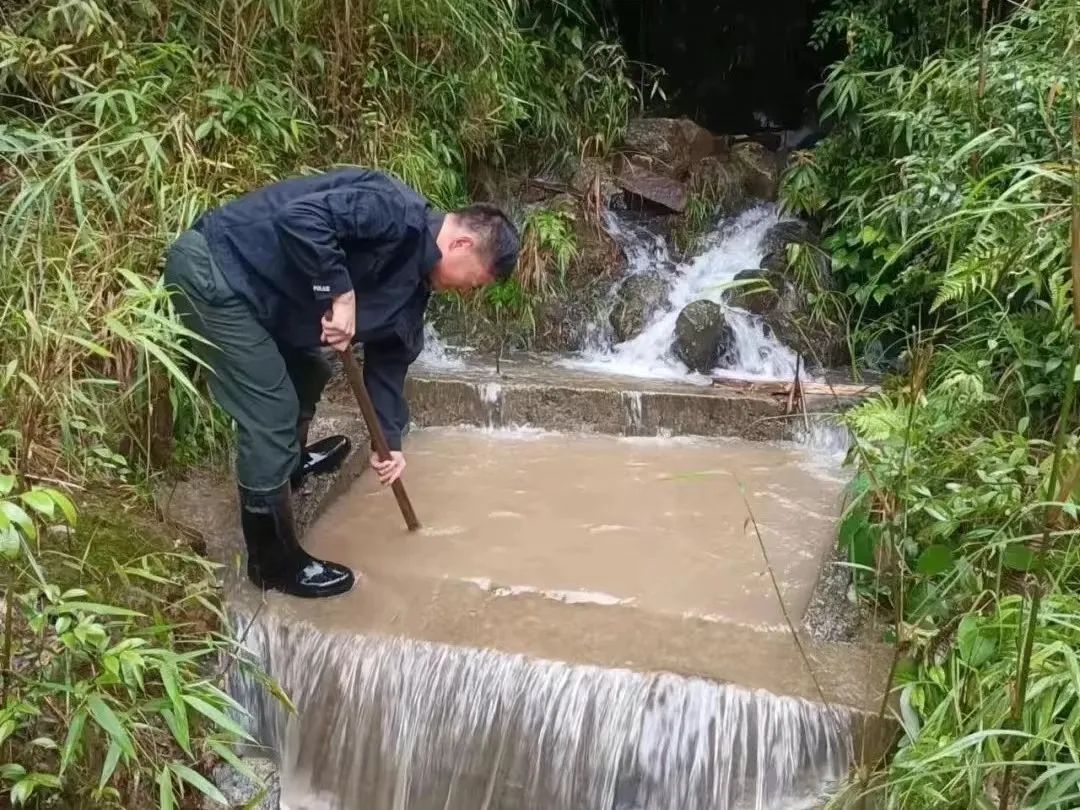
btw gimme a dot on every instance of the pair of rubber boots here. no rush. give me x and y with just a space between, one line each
275 559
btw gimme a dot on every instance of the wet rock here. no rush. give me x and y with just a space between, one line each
832 614
782 234
790 316
814 271
638 178
635 302
760 293
702 336
810 271
762 169
775 261
821 345
721 179
592 174
675 143
242 792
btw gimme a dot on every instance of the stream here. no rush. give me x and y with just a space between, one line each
584 622
732 246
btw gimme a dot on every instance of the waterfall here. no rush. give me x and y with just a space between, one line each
824 434
735 245
633 408
397 724
436 354
491 401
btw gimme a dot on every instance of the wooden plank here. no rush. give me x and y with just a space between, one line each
784 389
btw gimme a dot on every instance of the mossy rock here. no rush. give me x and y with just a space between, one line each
637 300
762 295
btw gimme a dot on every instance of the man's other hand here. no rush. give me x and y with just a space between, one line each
390 470
339 323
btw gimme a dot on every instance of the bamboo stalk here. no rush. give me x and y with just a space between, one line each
1039 547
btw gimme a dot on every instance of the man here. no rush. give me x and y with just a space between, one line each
271 278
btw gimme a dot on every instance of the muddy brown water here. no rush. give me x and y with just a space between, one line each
584 623
665 525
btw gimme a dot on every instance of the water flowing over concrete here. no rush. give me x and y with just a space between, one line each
541 392
735 245
584 622
398 724
436 354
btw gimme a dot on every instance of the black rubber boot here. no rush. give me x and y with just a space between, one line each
276 561
324 456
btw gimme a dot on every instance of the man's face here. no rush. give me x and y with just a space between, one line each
461 268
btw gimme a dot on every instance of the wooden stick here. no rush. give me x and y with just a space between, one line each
794 388
378 438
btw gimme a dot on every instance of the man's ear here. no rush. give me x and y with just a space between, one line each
464 241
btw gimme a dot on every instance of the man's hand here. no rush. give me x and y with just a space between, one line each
390 470
339 323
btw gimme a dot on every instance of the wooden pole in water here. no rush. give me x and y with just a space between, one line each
378 438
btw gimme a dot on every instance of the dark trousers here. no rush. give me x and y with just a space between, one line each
270 391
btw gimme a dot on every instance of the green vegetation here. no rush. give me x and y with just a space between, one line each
548 247
948 189
693 224
105 704
124 120
119 123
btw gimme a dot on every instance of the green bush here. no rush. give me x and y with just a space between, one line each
105 704
947 190
947 197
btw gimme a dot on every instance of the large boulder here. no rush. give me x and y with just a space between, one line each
762 169
635 302
786 232
758 292
674 143
640 179
594 175
721 179
702 336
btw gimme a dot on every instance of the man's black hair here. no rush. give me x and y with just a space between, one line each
496 236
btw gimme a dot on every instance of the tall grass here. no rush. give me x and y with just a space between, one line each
947 192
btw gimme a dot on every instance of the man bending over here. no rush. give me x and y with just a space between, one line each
272 277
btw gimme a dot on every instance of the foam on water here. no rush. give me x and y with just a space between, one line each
824 434
397 724
436 354
734 246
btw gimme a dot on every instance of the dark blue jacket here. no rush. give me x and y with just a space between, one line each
288 248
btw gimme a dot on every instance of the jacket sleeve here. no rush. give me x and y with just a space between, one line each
311 229
385 366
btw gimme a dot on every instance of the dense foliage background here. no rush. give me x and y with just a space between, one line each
949 187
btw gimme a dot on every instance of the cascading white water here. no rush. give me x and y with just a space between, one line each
734 246
491 401
396 724
824 434
436 354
